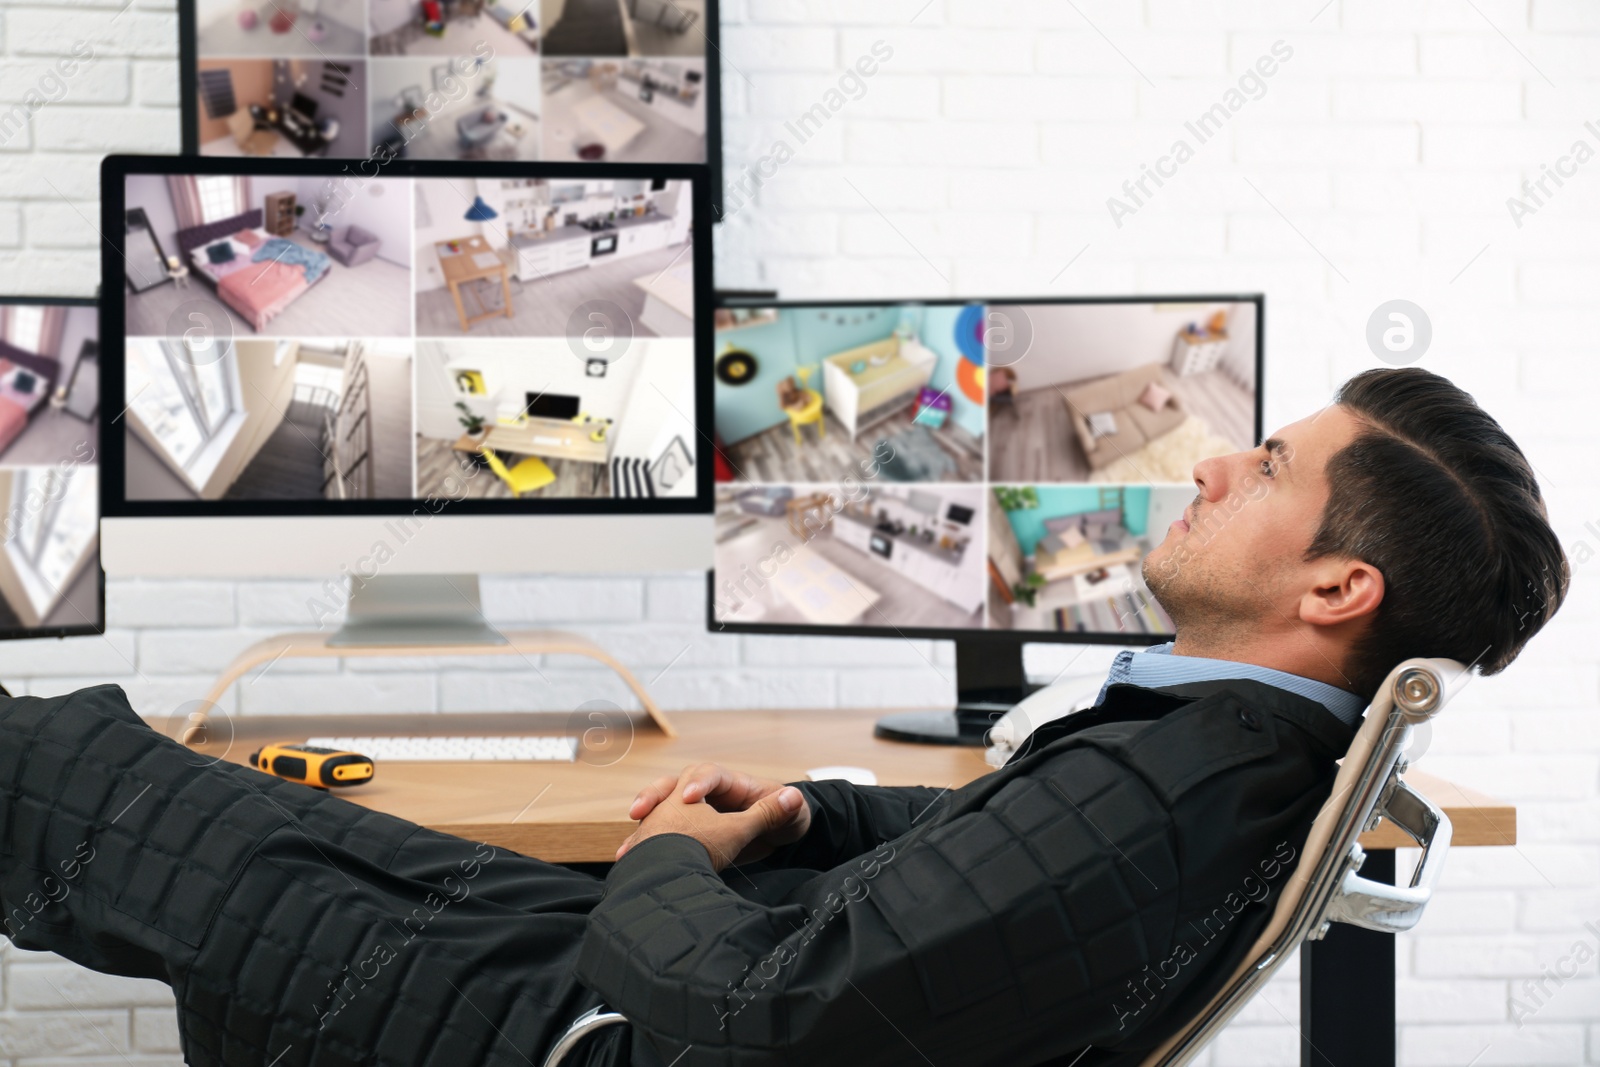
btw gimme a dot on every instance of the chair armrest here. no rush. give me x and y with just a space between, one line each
1387 908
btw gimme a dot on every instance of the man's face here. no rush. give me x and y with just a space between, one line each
1235 558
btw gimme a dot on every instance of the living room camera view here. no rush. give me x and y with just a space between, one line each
1037 452
49 467
582 80
279 348
1067 557
1117 393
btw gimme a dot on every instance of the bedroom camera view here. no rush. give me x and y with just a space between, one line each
391 338
1036 452
583 80
49 467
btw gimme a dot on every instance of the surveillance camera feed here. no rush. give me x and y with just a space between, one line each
49 468
961 467
343 338
576 80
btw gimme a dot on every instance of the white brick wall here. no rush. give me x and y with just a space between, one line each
990 141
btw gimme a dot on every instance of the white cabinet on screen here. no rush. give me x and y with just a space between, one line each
541 259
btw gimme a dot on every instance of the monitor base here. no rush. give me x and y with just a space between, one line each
965 725
414 610
990 681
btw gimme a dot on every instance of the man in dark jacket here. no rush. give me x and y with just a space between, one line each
1072 907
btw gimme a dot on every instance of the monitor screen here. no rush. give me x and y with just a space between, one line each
293 339
552 406
555 80
50 578
951 468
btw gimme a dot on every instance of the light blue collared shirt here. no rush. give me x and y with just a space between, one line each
1157 666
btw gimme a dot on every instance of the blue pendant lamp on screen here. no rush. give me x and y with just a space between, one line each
481 212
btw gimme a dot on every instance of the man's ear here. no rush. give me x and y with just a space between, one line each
1343 591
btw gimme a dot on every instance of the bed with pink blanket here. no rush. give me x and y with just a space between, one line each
257 290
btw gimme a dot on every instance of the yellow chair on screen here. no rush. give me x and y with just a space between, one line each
532 473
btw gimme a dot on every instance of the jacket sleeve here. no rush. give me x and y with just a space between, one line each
1002 931
849 820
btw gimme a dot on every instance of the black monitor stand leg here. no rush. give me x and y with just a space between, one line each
989 682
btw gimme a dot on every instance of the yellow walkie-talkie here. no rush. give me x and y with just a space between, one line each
319 768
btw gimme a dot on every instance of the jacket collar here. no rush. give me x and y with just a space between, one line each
1311 716
1132 703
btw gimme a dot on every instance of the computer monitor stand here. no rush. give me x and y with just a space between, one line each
423 615
990 681
415 609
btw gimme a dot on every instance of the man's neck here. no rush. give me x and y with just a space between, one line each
1294 652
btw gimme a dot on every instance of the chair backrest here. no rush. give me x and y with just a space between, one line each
1324 886
496 465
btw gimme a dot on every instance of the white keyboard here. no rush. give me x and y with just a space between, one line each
451 749
548 440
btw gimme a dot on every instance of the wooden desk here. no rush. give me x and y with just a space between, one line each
577 812
582 816
461 267
574 442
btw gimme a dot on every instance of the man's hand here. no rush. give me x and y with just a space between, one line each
723 789
756 816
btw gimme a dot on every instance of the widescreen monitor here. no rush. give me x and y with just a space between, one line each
988 471
50 579
551 80
302 392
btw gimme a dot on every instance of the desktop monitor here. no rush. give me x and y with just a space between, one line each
988 471
552 80
50 579
426 370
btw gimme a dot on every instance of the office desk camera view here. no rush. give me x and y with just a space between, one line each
428 299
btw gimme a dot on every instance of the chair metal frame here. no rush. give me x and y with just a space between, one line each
1325 886
585 1024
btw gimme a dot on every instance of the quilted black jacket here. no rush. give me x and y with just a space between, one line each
1093 892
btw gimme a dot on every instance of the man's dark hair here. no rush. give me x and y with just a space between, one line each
1436 496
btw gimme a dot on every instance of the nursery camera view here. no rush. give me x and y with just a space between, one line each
49 468
960 467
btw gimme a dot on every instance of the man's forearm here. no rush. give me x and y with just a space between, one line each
849 820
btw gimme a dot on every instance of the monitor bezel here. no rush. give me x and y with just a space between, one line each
99 566
116 169
189 91
999 637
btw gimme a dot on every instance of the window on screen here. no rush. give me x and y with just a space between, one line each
219 197
24 324
182 404
52 538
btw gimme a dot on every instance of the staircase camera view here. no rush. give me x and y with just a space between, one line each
584 80
390 338
958 467
49 468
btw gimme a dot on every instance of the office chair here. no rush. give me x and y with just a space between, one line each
1324 887
532 473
